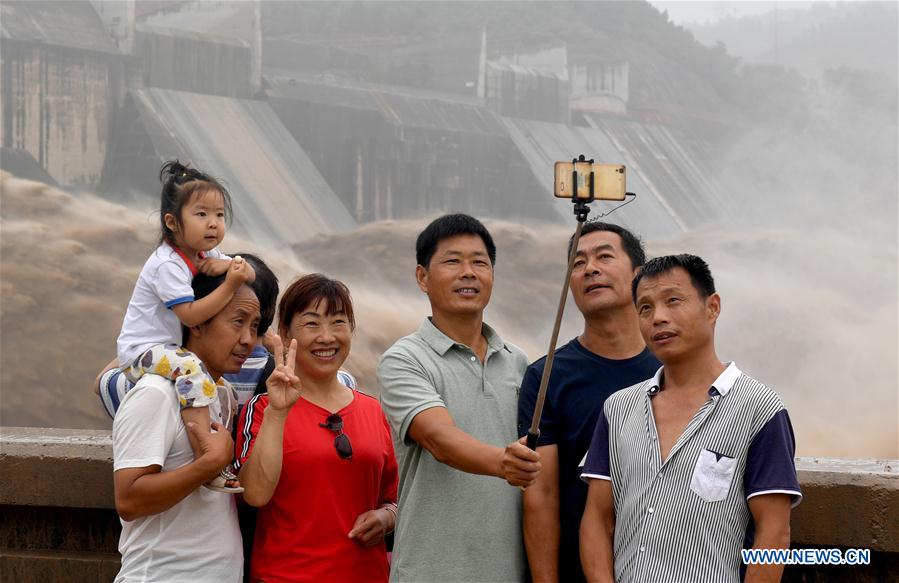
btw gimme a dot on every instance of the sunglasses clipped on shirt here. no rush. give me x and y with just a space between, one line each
342 444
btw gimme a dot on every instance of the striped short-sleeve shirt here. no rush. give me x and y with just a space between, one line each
686 518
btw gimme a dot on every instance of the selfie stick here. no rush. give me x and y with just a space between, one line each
581 210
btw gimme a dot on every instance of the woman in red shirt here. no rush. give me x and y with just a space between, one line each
315 456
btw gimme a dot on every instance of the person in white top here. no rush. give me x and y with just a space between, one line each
172 529
194 209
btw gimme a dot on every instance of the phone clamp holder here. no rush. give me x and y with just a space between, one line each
581 210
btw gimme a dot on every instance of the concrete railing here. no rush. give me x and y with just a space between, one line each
59 523
56 501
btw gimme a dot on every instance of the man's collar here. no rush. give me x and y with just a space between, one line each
655 383
722 385
434 338
493 339
441 343
725 381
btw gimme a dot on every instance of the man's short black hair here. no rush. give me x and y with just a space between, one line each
632 244
266 287
700 274
450 226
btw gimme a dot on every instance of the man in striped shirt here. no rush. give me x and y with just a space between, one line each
688 467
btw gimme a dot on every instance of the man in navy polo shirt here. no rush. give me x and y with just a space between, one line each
691 465
609 355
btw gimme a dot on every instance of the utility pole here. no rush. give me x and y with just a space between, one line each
256 71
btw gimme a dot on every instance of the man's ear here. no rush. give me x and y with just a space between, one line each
630 284
195 330
421 277
713 304
637 271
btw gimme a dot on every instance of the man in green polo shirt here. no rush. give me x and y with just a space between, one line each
450 392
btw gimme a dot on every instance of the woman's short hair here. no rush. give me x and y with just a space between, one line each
309 291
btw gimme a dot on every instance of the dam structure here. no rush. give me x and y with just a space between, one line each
328 149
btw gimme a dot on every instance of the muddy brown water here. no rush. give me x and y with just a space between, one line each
811 313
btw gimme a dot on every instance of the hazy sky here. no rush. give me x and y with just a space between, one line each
698 12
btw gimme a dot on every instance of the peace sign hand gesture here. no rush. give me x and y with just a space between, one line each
283 386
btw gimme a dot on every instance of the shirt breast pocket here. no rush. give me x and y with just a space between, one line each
713 475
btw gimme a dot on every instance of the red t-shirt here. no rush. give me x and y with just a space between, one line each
301 534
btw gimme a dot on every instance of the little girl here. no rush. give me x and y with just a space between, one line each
194 210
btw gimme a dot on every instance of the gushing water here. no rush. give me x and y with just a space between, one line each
811 313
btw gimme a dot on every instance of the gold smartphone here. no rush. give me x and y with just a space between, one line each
610 180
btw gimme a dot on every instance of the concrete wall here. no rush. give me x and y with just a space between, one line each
600 103
57 104
515 91
187 61
58 522
591 81
381 170
56 503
